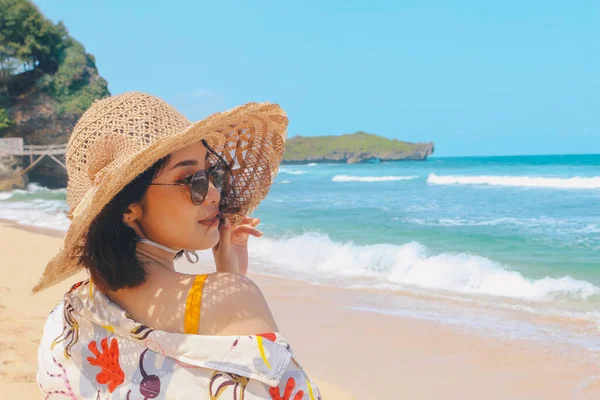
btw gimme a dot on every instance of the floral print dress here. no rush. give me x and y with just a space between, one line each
91 349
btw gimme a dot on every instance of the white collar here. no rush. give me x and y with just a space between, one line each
188 253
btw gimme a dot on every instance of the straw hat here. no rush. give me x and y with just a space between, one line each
119 137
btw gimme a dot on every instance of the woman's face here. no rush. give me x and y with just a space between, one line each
166 214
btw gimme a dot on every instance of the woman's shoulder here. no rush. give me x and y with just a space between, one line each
233 304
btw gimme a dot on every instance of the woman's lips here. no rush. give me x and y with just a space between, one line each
210 222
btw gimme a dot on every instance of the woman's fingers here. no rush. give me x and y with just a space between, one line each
247 230
250 221
224 235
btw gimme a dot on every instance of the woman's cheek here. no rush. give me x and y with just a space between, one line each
168 216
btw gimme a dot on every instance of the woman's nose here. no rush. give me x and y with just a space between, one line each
213 196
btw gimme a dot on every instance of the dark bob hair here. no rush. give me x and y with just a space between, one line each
109 251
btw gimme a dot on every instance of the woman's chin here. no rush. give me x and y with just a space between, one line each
209 241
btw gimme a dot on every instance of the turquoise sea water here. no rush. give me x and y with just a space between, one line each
539 215
524 231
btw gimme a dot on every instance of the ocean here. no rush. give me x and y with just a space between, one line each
506 245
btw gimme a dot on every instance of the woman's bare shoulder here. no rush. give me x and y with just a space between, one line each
233 304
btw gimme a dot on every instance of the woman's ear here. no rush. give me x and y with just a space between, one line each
133 215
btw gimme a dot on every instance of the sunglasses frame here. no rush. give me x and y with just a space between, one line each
205 173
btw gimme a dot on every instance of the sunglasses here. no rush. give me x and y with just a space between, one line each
199 182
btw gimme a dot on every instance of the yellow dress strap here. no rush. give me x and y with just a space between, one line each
191 319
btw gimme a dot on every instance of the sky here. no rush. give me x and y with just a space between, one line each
474 77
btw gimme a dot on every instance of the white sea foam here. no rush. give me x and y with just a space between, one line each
516 181
315 256
541 222
285 182
350 178
291 171
42 213
312 164
591 228
33 188
24 207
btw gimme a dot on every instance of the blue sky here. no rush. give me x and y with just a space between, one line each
474 77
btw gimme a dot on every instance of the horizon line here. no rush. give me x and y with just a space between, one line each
520 155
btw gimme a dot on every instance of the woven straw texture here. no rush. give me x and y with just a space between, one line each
119 137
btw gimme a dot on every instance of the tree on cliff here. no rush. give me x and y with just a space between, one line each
47 80
28 40
35 51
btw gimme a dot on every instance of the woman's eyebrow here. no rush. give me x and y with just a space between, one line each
187 163
184 163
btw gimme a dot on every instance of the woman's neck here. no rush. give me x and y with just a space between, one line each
156 262
151 256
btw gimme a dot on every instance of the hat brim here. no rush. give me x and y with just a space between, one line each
254 131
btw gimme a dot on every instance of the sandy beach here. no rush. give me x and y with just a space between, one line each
351 353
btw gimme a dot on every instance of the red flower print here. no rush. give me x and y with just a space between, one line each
269 336
76 286
108 360
287 395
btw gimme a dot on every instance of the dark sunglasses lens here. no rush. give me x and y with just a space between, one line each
199 187
218 175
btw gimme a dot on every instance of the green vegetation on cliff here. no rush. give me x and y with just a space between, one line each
47 81
76 83
5 120
36 54
353 148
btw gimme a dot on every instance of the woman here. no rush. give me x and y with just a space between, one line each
146 186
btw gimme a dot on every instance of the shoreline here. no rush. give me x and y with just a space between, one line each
499 317
352 352
437 304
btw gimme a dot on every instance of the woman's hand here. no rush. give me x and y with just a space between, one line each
231 253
